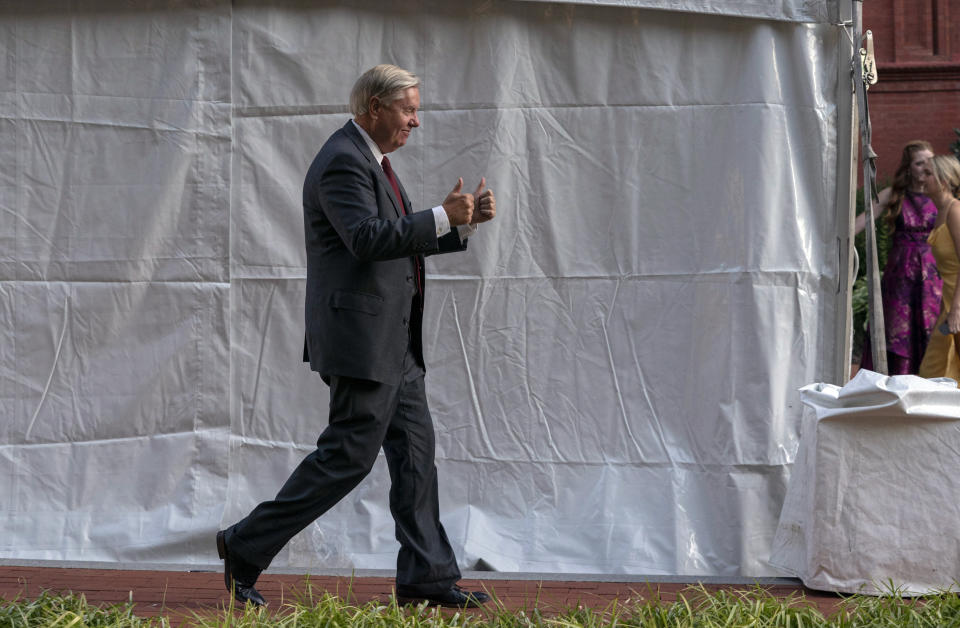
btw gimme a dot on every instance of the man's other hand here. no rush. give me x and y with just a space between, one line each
486 204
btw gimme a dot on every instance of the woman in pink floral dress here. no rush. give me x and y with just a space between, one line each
910 286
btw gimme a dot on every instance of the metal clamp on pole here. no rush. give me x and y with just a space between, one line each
868 62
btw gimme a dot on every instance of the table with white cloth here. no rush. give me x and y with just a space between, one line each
873 502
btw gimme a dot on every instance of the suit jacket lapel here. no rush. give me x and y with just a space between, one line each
389 189
361 145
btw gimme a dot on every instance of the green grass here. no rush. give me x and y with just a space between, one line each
70 610
694 608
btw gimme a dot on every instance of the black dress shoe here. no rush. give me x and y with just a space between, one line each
238 575
454 596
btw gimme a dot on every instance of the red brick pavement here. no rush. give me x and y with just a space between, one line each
179 595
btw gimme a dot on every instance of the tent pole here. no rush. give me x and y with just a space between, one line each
878 337
848 138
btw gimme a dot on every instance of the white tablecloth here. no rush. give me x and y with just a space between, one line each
873 503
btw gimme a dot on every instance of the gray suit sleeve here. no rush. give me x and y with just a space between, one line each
365 220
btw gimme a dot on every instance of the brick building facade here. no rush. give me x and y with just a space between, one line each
917 46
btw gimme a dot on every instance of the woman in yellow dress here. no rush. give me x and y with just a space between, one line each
942 357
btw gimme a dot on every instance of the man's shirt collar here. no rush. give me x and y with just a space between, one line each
370 143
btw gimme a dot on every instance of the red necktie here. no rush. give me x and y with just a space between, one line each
388 170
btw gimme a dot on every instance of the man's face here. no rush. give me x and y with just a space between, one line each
393 122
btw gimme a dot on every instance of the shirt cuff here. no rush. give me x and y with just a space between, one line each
441 221
465 231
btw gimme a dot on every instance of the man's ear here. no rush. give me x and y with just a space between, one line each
373 108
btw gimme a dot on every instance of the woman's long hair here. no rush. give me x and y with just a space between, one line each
902 177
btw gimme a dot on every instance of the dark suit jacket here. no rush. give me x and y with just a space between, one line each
362 306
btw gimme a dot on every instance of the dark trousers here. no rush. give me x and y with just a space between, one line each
365 416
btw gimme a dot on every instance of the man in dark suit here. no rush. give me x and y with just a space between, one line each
364 307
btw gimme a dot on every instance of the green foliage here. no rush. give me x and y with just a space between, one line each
859 296
955 147
70 611
695 607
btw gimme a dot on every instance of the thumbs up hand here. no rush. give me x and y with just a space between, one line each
459 206
485 204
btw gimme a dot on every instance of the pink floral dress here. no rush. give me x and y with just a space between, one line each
910 287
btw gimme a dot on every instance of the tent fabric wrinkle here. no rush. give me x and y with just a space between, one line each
612 365
819 11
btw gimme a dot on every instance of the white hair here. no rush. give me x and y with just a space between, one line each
385 82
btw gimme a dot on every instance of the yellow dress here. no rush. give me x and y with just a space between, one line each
940 358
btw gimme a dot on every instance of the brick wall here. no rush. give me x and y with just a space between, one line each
918 63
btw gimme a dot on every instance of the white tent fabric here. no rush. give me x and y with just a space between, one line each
612 366
873 499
